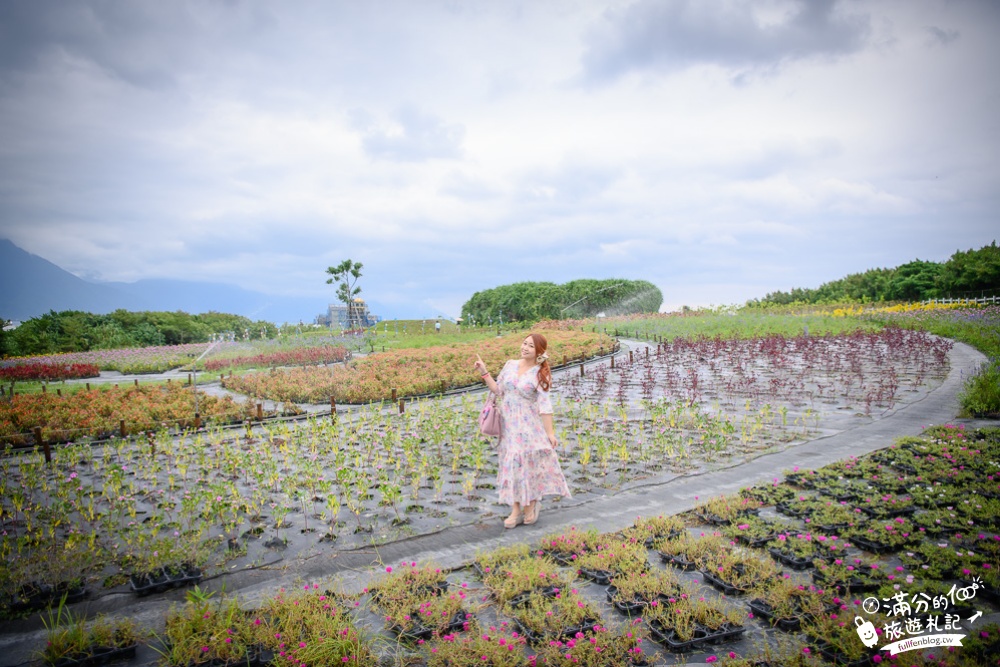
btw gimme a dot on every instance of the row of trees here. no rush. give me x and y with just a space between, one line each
969 273
76 331
532 301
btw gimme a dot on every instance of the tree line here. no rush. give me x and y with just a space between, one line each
966 274
533 301
77 331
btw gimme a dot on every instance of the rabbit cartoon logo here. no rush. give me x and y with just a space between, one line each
866 631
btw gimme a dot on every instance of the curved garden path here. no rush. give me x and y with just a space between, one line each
455 546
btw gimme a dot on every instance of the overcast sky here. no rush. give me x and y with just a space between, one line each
721 150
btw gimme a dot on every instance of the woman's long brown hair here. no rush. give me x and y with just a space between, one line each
544 372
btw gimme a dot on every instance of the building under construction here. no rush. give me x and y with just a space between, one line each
340 316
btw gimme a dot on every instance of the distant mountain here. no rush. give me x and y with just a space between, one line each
31 286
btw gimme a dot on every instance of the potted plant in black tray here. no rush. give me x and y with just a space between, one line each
835 638
566 547
631 594
306 627
687 551
755 532
650 530
610 559
544 619
684 625
736 574
70 643
600 648
857 575
769 494
795 550
519 578
436 615
884 536
486 562
723 510
209 634
495 647
38 595
783 604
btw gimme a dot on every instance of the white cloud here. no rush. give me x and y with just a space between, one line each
715 151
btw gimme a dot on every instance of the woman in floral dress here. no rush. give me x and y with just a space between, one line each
529 466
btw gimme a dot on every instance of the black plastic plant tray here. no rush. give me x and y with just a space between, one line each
791 560
560 558
724 586
636 605
837 658
755 542
522 599
420 631
163 579
41 596
599 577
701 637
763 610
881 512
855 585
565 633
653 539
873 547
679 561
98 655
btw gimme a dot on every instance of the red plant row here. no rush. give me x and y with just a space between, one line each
50 372
306 356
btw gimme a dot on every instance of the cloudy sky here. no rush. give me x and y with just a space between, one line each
719 149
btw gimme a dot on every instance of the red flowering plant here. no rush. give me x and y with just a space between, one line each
600 648
307 627
202 632
521 577
490 647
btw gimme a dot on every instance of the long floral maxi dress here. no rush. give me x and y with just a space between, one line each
528 466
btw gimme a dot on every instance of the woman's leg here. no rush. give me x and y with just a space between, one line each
531 512
515 517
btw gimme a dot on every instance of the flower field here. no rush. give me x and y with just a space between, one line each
129 360
302 356
33 372
684 588
97 413
411 372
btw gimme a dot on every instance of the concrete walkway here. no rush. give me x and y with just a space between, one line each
454 547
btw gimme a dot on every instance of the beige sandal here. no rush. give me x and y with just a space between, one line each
537 507
513 521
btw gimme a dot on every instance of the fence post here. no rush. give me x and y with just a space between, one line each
137 382
564 360
88 385
260 412
581 369
45 446
43 389
402 407
333 408
393 394
197 421
121 428
58 392
631 359
189 379
612 362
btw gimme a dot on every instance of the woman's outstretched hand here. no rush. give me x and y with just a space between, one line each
480 365
552 440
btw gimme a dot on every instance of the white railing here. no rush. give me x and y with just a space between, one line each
981 299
